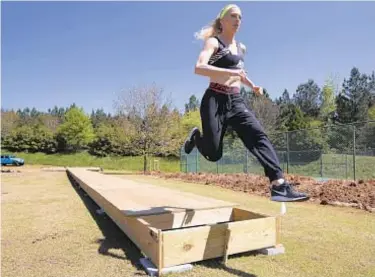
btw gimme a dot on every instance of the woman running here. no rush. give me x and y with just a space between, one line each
222 60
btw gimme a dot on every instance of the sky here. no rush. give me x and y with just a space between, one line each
88 53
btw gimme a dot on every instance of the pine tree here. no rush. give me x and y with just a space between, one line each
354 99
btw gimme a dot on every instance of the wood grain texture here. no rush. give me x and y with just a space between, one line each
206 242
138 198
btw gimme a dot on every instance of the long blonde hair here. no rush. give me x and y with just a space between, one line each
209 31
214 28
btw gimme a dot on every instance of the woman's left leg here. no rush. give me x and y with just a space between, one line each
257 142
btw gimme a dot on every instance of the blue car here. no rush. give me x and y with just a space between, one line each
11 160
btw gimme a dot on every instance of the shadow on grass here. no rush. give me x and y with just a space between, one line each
114 238
216 264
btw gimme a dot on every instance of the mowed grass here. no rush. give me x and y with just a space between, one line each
126 163
334 166
331 166
49 228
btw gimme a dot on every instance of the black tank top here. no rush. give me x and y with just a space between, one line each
225 59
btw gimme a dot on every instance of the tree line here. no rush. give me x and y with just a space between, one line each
145 123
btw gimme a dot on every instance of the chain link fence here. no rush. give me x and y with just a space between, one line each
329 152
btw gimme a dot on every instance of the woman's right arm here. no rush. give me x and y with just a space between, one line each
203 68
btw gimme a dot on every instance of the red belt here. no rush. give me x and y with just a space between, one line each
223 88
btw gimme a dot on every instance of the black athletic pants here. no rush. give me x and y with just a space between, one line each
218 110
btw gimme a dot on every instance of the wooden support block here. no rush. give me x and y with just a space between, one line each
272 251
100 211
152 270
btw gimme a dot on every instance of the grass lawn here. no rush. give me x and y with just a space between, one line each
331 166
51 229
334 166
127 163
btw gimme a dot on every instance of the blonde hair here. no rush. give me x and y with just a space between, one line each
215 27
209 31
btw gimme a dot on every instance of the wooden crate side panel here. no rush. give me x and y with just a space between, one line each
206 242
189 218
195 244
136 229
252 234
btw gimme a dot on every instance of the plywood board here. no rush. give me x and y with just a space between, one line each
138 198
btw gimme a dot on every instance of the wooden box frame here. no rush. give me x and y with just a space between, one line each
174 238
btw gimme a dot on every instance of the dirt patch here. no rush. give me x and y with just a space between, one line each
359 194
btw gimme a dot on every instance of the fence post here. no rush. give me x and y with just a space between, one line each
180 161
354 165
346 166
287 152
182 158
196 161
321 164
247 161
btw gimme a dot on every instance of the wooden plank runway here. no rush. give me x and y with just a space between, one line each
135 198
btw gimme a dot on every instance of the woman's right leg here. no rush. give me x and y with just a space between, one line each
210 144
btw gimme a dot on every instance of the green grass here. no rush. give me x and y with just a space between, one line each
85 159
331 166
338 166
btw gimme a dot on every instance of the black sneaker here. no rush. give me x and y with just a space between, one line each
190 142
286 193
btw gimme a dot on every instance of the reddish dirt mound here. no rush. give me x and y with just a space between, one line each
359 194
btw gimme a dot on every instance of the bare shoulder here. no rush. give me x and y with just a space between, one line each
211 43
210 47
